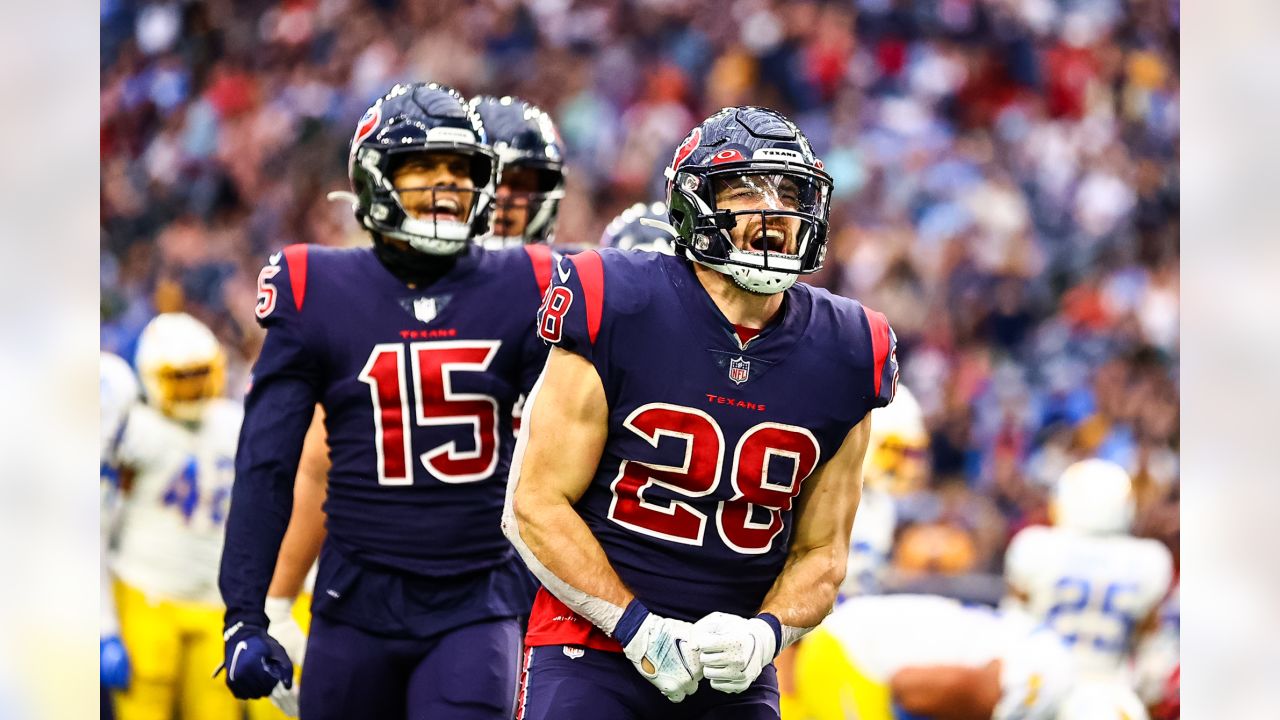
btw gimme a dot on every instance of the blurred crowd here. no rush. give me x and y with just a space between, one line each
1006 185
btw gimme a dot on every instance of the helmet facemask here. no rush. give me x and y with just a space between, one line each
434 219
761 223
526 204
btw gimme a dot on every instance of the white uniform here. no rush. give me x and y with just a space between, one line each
1093 590
870 543
118 393
880 635
171 532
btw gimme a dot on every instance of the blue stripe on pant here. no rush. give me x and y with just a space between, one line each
468 673
562 681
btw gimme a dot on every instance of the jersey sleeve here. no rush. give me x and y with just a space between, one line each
534 351
283 390
117 392
572 311
884 350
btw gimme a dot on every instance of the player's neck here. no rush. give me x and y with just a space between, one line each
738 306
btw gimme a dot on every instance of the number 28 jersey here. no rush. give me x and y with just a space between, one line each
710 440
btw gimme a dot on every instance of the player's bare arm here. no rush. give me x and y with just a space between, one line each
735 650
566 425
806 589
305 533
566 422
948 692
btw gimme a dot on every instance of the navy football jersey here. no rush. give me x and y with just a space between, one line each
710 439
418 386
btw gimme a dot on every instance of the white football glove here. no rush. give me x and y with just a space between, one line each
665 654
734 650
289 634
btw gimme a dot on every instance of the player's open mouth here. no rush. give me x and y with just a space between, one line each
445 209
772 239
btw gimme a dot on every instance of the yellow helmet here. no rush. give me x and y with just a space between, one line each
897 460
181 364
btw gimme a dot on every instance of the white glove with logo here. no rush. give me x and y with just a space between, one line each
289 634
734 650
663 651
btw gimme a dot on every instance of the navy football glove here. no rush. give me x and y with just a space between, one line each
113 663
255 662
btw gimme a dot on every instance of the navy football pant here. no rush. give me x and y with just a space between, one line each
560 681
468 673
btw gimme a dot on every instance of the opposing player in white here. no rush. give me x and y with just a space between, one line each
922 656
118 392
175 456
1086 577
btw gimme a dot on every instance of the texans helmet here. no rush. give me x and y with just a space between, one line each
630 231
761 148
415 118
524 139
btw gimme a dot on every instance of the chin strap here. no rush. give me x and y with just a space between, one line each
411 266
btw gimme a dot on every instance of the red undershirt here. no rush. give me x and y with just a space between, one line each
745 333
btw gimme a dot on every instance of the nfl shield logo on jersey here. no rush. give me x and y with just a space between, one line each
739 369
425 309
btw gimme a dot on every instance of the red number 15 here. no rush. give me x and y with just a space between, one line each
433 364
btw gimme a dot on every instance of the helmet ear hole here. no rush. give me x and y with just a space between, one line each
481 170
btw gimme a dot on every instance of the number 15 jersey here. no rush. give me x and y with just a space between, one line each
710 439
418 385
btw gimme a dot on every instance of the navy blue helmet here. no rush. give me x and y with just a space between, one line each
531 174
757 154
628 231
411 122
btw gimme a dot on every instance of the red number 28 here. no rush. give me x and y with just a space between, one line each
738 520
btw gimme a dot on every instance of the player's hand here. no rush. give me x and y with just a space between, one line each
113 663
662 649
734 650
255 662
290 636
285 629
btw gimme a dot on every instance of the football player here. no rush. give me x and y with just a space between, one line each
531 173
417 348
643 226
118 392
1086 577
175 456
694 447
903 657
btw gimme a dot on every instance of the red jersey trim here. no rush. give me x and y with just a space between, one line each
879 342
296 257
591 274
543 261
551 622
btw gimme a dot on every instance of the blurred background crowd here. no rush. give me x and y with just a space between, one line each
1006 187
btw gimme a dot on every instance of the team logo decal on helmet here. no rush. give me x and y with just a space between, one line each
748 198
686 148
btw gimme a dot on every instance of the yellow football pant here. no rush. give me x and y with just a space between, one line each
263 709
830 687
173 648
